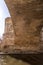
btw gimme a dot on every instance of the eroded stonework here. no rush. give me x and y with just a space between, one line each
8 36
27 16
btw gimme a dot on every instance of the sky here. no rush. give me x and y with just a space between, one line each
4 13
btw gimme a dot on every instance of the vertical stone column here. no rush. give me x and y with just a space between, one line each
8 36
41 40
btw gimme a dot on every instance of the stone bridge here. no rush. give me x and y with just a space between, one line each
27 17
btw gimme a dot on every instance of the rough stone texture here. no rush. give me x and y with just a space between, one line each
0 43
27 16
8 36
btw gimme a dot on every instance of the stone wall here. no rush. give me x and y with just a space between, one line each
27 16
8 36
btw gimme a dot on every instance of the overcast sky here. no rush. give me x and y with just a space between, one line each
3 14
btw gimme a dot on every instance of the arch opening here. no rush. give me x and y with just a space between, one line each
6 26
4 13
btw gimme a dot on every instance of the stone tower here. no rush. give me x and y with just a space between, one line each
8 36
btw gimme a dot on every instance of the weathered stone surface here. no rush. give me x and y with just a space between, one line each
27 16
8 36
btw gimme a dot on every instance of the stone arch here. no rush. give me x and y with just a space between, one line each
26 11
